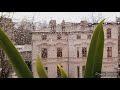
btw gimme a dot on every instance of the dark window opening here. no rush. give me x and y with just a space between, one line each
83 70
84 51
59 52
108 33
58 72
109 51
46 68
29 64
44 53
89 36
44 37
78 71
78 36
59 37
77 52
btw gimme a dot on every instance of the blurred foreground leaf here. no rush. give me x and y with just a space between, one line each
15 58
64 75
95 54
40 68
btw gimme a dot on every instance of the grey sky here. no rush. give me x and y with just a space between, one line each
67 16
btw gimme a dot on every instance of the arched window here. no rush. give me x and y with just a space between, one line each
108 33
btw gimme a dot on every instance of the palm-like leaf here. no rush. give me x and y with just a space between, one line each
63 74
95 54
40 68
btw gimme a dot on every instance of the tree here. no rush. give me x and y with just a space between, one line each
8 26
96 17
23 32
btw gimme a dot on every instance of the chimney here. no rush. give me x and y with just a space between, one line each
63 24
52 25
83 24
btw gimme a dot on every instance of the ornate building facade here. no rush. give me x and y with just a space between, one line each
68 43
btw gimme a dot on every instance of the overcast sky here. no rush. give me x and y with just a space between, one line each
67 16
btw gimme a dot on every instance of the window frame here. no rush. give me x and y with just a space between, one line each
46 68
45 53
58 72
84 53
78 71
44 37
59 37
78 36
109 33
109 52
89 36
59 52
78 52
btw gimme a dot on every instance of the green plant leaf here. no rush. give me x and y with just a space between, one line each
95 54
40 68
15 58
64 75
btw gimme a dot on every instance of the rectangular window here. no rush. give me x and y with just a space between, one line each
78 36
83 71
59 37
58 72
44 53
119 71
89 36
84 51
109 51
46 68
29 64
119 65
108 33
78 71
59 52
44 37
77 52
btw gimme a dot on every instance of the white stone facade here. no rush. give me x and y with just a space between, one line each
70 44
